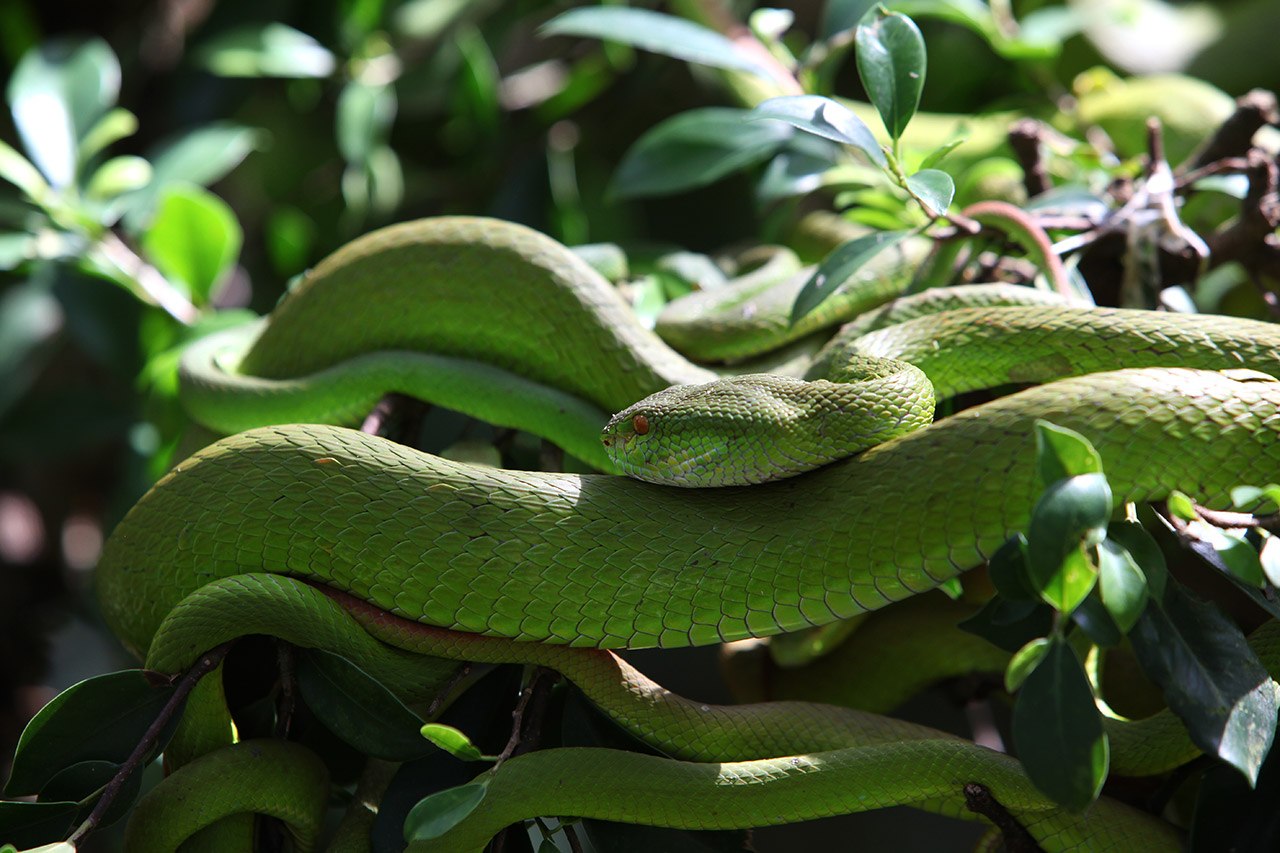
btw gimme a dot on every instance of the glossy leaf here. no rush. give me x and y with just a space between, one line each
1025 660
1092 617
102 718
1234 555
1144 550
119 175
933 187
435 815
1210 678
57 93
891 63
194 239
1256 498
1122 585
271 50
694 149
654 32
799 168
30 825
452 741
1058 730
1182 506
1008 571
80 782
840 265
1009 624
1068 519
115 125
821 117
1063 453
358 709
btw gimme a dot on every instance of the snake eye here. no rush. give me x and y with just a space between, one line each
640 424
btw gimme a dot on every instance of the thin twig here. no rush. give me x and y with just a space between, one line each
979 800
1026 138
1234 137
532 690
1238 520
206 664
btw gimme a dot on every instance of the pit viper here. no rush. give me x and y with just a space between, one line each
335 537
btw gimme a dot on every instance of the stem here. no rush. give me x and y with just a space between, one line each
153 286
207 663
978 799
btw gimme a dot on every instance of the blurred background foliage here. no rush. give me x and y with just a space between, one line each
171 164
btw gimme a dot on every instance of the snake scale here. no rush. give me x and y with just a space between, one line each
502 323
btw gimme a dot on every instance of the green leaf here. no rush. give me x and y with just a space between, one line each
117 124
1146 554
18 171
102 718
839 266
933 187
201 156
1210 678
1256 499
1234 555
435 815
694 149
1008 570
1269 558
270 50
940 153
57 93
891 63
119 175
654 32
1062 453
79 782
1182 506
30 825
1070 517
1092 616
1121 583
1058 731
365 114
1009 624
821 117
799 168
452 741
1025 660
358 709
194 239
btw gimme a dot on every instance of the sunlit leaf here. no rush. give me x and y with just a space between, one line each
655 32
269 50
1069 518
452 741
194 239
933 187
1063 453
821 117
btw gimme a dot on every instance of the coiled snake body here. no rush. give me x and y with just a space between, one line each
497 321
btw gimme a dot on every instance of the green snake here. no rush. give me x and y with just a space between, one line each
505 324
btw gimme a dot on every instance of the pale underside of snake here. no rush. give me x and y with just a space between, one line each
506 325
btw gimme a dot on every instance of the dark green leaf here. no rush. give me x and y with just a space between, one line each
435 815
270 50
1008 570
358 709
452 741
194 240
27 825
1068 520
1024 660
79 781
1009 624
839 266
1135 539
799 168
102 718
1121 583
933 187
1058 730
891 63
57 93
841 15
693 149
655 32
1092 616
1062 453
1210 677
821 117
